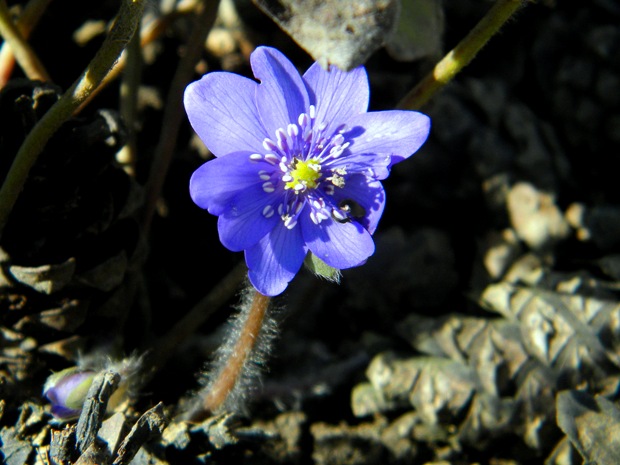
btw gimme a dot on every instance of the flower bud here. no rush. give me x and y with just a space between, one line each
66 390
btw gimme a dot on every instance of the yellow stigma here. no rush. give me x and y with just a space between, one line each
304 175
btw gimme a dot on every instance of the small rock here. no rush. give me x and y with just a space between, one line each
535 217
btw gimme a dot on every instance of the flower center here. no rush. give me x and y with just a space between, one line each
304 175
306 153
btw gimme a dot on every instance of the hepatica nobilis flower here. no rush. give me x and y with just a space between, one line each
298 165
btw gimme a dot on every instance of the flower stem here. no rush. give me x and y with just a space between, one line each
129 14
25 56
25 23
149 33
461 55
232 369
173 113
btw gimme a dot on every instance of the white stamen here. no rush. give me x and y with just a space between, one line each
339 215
268 211
292 130
287 178
256 157
335 152
338 139
268 187
290 222
272 158
282 141
312 111
264 176
268 144
336 178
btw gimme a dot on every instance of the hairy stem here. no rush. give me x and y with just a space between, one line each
120 34
173 113
25 56
461 55
233 368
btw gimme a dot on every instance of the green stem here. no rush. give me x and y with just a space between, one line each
120 34
173 113
25 56
461 55
148 34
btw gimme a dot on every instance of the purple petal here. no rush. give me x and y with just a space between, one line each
243 223
397 133
337 95
215 184
366 192
275 260
222 110
341 245
282 95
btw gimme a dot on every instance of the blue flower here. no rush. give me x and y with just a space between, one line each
298 165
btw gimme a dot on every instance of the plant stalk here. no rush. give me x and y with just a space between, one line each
461 55
124 27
